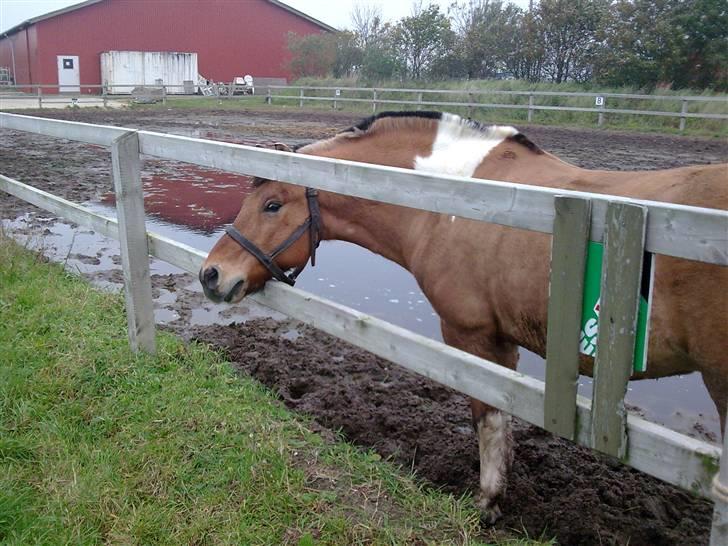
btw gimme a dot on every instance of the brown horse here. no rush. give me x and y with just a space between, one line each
488 283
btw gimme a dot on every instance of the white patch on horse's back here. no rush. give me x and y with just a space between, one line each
459 147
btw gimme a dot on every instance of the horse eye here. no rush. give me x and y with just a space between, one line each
272 206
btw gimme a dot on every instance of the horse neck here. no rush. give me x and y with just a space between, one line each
511 163
379 227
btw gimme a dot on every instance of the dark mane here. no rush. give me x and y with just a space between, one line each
366 124
523 140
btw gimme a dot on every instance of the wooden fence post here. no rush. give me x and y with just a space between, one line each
530 108
683 111
419 100
164 95
602 106
300 98
126 171
104 96
268 97
40 97
374 100
572 225
624 243
719 532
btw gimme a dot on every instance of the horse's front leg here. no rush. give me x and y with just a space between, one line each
495 445
493 427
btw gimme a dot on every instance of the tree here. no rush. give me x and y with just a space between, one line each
526 53
701 27
311 55
349 56
485 31
422 38
641 45
682 43
570 33
324 54
366 22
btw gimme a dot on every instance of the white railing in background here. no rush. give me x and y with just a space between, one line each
335 95
681 231
95 92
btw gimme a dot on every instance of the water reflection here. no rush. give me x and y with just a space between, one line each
187 195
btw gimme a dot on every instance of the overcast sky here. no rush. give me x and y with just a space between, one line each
333 12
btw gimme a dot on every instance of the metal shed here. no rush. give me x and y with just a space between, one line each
147 68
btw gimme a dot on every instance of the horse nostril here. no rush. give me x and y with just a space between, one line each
210 277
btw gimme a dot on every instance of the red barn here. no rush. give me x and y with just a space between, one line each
230 37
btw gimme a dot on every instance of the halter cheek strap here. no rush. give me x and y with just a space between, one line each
312 225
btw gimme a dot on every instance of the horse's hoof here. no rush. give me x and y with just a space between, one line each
490 512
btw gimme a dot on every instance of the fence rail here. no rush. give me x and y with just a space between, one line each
335 95
675 458
220 91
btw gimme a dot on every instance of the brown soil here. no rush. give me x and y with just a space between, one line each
555 489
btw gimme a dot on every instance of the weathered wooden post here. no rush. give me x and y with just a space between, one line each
572 225
683 111
268 97
601 103
719 532
126 172
530 107
419 100
624 243
300 98
374 100
164 95
470 105
104 96
40 96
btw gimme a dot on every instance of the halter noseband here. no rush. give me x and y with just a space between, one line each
312 224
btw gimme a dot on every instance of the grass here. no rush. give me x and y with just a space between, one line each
98 445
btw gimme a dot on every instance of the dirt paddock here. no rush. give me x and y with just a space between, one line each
555 490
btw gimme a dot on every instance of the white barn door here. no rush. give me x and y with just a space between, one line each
69 78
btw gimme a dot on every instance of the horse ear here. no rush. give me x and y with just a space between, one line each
281 147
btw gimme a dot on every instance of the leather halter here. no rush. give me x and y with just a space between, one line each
312 224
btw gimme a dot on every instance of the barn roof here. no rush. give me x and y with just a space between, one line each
81 5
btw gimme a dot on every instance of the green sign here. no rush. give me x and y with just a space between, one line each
591 304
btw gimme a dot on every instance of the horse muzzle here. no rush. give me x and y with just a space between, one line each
218 289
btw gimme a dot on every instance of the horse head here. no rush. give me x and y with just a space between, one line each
277 230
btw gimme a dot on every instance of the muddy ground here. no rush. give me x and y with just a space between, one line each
556 489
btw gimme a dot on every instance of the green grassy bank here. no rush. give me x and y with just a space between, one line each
100 446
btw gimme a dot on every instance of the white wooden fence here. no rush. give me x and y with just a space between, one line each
220 91
681 231
467 98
